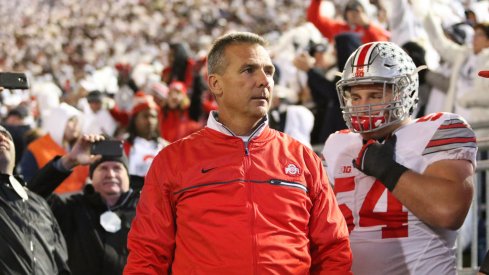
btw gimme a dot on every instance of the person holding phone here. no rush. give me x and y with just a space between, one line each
95 222
32 242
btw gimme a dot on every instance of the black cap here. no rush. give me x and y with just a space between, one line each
353 5
122 159
94 96
6 132
20 111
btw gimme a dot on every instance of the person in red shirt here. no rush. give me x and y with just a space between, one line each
174 116
144 141
238 197
356 20
181 67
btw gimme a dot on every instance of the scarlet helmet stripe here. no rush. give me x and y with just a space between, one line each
362 56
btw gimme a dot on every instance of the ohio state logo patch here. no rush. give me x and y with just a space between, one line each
292 170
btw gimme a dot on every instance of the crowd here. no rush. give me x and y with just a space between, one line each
140 72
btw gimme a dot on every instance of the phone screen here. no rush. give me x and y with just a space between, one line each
9 80
111 148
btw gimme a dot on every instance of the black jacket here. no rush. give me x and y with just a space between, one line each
328 117
31 241
91 249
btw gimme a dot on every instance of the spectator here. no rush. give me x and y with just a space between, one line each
175 122
18 124
181 66
97 118
463 96
327 113
355 20
439 79
214 203
202 102
32 242
144 140
63 127
417 54
95 223
403 200
294 120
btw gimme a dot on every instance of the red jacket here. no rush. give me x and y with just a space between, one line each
212 205
330 27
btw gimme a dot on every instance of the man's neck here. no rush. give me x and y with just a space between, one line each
7 169
239 127
111 200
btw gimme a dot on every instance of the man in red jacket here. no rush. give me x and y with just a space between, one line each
356 20
238 197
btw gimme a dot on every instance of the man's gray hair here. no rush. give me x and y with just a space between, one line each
216 63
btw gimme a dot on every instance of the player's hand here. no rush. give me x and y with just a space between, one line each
377 160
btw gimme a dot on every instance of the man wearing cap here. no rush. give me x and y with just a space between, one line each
32 242
95 223
97 118
18 122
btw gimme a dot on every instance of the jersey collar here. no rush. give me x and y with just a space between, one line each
214 124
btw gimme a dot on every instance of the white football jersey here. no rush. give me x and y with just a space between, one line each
385 237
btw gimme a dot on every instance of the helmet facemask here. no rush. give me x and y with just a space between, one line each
390 109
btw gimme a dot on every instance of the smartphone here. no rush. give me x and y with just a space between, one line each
108 148
11 80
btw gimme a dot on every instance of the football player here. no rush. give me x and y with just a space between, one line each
403 184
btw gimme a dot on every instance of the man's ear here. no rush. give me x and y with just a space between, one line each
214 84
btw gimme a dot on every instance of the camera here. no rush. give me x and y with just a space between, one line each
107 148
13 80
314 48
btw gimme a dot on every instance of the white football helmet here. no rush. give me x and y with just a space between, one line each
379 63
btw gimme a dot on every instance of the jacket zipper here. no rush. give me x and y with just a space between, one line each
249 187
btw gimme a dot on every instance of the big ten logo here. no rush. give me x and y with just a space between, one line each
346 169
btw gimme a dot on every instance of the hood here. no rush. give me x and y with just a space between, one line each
299 123
55 122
